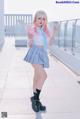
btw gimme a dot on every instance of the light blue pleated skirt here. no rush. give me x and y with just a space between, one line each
37 55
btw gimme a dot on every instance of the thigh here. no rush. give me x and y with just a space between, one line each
39 68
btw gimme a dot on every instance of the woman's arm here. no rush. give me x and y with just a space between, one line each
54 30
30 36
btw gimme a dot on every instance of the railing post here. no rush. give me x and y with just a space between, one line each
59 35
65 34
73 37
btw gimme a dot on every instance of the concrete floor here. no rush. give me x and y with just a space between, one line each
60 93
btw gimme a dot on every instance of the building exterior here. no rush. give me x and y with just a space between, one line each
1 23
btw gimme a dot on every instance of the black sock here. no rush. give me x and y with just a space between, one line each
36 94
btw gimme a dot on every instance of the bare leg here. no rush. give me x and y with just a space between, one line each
38 81
35 80
39 77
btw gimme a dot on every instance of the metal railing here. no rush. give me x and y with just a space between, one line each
68 36
12 20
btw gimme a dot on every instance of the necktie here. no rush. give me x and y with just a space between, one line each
44 38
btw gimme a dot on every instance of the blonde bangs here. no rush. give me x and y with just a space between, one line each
40 14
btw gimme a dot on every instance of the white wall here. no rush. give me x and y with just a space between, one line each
54 11
1 23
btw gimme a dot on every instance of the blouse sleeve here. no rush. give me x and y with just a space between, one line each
30 33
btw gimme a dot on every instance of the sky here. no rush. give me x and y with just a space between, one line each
54 11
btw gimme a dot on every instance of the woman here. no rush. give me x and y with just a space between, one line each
39 39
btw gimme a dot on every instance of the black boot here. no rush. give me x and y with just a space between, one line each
37 106
42 107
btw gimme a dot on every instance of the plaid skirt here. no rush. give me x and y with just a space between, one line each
37 55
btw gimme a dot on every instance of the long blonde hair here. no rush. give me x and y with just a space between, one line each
41 13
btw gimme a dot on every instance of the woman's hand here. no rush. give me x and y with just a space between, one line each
54 30
30 36
56 27
30 43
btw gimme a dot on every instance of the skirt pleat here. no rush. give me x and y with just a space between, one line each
37 55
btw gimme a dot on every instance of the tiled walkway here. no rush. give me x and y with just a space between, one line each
61 92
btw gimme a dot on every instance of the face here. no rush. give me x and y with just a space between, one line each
40 21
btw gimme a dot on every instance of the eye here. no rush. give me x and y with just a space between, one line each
39 18
44 19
